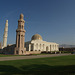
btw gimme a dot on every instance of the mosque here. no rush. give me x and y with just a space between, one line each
35 46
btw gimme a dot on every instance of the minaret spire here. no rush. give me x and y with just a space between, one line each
5 34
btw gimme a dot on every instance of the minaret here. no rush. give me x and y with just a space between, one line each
5 34
20 37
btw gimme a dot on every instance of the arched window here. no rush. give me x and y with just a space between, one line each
50 47
55 47
40 46
22 27
19 41
43 46
32 46
47 49
36 46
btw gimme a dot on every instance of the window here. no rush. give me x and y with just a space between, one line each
40 46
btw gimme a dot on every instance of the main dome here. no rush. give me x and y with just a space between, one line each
36 37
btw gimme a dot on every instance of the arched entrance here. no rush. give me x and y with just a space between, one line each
22 51
16 52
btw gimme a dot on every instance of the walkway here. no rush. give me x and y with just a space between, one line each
30 57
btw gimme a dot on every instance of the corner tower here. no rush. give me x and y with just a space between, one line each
20 37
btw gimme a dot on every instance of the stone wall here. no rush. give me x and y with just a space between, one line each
33 52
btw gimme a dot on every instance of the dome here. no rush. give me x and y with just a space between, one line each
36 37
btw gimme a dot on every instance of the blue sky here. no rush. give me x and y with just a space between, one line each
54 20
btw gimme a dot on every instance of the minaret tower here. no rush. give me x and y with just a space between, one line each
5 34
20 37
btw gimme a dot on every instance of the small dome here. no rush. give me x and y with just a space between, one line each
36 37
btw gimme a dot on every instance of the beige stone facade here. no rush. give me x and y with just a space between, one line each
37 44
20 37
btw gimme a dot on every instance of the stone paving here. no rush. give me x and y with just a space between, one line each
30 57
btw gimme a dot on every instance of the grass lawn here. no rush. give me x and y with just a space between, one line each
62 65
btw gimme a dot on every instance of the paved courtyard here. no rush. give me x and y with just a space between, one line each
30 57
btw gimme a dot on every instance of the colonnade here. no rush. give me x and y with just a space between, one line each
43 47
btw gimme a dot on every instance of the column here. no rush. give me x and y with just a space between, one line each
29 47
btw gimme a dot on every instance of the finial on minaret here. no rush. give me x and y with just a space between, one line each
21 16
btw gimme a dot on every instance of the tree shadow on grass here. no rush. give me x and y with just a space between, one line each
35 69
49 70
9 70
